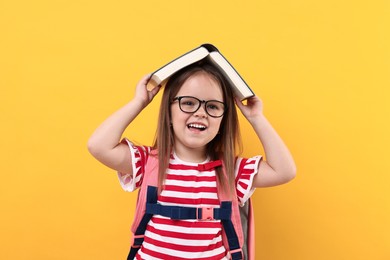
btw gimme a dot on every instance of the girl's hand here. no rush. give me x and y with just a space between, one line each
252 109
142 94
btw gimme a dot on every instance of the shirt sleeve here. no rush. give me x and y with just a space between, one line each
245 171
139 156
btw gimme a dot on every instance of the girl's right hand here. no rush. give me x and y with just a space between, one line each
141 92
105 143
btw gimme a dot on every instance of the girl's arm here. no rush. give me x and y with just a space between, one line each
279 167
104 144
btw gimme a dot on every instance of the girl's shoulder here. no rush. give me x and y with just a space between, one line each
245 172
247 165
136 146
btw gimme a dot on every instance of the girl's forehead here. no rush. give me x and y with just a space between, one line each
201 85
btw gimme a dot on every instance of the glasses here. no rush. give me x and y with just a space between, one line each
213 108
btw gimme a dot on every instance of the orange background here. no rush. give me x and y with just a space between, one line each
322 69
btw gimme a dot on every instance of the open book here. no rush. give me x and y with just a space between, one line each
213 56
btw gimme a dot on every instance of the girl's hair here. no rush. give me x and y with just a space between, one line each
225 143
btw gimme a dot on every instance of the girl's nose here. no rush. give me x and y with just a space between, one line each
201 112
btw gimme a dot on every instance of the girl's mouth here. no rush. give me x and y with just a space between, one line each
197 127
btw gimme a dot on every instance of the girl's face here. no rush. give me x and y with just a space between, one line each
193 131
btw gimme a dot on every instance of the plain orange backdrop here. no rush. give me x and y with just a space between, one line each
322 69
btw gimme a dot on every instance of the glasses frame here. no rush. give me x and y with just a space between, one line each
179 98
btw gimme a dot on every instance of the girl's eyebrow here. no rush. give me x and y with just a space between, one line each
202 99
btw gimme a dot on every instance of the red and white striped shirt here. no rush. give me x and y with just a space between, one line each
186 186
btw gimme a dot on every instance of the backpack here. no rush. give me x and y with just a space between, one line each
237 222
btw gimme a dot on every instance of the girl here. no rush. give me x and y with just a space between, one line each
198 123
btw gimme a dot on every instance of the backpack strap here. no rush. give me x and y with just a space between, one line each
145 195
251 231
178 212
139 234
228 213
233 236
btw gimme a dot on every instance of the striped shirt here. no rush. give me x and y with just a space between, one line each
186 186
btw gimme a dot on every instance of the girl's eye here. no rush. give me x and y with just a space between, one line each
187 103
214 106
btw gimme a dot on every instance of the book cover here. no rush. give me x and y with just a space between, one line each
213 56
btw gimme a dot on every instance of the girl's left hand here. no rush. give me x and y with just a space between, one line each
253 107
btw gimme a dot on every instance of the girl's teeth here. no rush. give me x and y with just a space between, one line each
197 126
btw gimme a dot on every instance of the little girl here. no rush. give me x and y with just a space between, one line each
197 123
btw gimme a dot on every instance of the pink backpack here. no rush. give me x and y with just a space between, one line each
238 222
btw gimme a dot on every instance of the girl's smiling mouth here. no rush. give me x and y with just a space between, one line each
196 126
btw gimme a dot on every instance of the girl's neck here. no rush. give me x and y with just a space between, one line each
191 155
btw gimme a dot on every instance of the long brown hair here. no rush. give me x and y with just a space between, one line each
226 145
